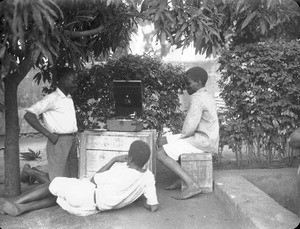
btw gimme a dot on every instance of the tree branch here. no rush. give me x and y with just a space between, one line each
86 32
24 68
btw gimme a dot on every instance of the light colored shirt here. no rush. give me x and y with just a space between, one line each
201 125
121 185
58 112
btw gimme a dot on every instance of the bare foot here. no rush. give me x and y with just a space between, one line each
31 180
9 208
175 185
24 175
188 192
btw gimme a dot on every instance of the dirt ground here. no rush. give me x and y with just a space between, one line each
206 210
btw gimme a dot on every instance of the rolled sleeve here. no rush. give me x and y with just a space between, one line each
150 193
43 105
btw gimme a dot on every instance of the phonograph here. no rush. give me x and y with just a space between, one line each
128 106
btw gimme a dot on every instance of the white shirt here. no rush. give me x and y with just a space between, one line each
121 185
201 125
58 112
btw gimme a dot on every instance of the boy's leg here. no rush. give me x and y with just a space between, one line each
33 173
57 156
37 198
72 162
175 185
38 193
15 209
192 188
62 157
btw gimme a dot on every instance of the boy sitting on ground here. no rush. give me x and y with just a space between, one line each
114 186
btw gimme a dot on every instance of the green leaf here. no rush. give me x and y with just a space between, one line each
263 27
36 14
2 51
35 55
248 19
45 14
45 52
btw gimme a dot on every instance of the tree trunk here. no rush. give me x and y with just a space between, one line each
12 130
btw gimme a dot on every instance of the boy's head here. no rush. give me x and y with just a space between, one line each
64 72
195 78
67 79
139 152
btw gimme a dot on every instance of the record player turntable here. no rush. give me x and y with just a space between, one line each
128 105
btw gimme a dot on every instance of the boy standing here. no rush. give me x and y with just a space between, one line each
200 131
60 127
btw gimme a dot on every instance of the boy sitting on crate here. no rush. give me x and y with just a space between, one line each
200 132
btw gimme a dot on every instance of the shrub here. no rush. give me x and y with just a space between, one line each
260 86
162 84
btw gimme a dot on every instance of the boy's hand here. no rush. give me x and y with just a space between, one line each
152 208
162 141
53 138
121 158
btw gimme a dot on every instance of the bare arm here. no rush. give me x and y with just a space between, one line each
162 141
294 139
34 122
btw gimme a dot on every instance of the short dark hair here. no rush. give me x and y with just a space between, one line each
64 72
139 151
197 74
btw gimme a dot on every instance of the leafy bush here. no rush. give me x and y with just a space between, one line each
260 86
162 84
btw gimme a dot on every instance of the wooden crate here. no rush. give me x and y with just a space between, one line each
199 167
98 147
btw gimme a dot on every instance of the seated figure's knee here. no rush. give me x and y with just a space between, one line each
161 155
162 141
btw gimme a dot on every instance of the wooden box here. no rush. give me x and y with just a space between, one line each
97 148
199 167
124 125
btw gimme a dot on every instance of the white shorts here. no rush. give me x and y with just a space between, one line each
176 147
74 195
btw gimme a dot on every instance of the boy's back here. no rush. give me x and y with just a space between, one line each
122 185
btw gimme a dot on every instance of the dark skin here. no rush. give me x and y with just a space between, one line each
67 85
294 142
